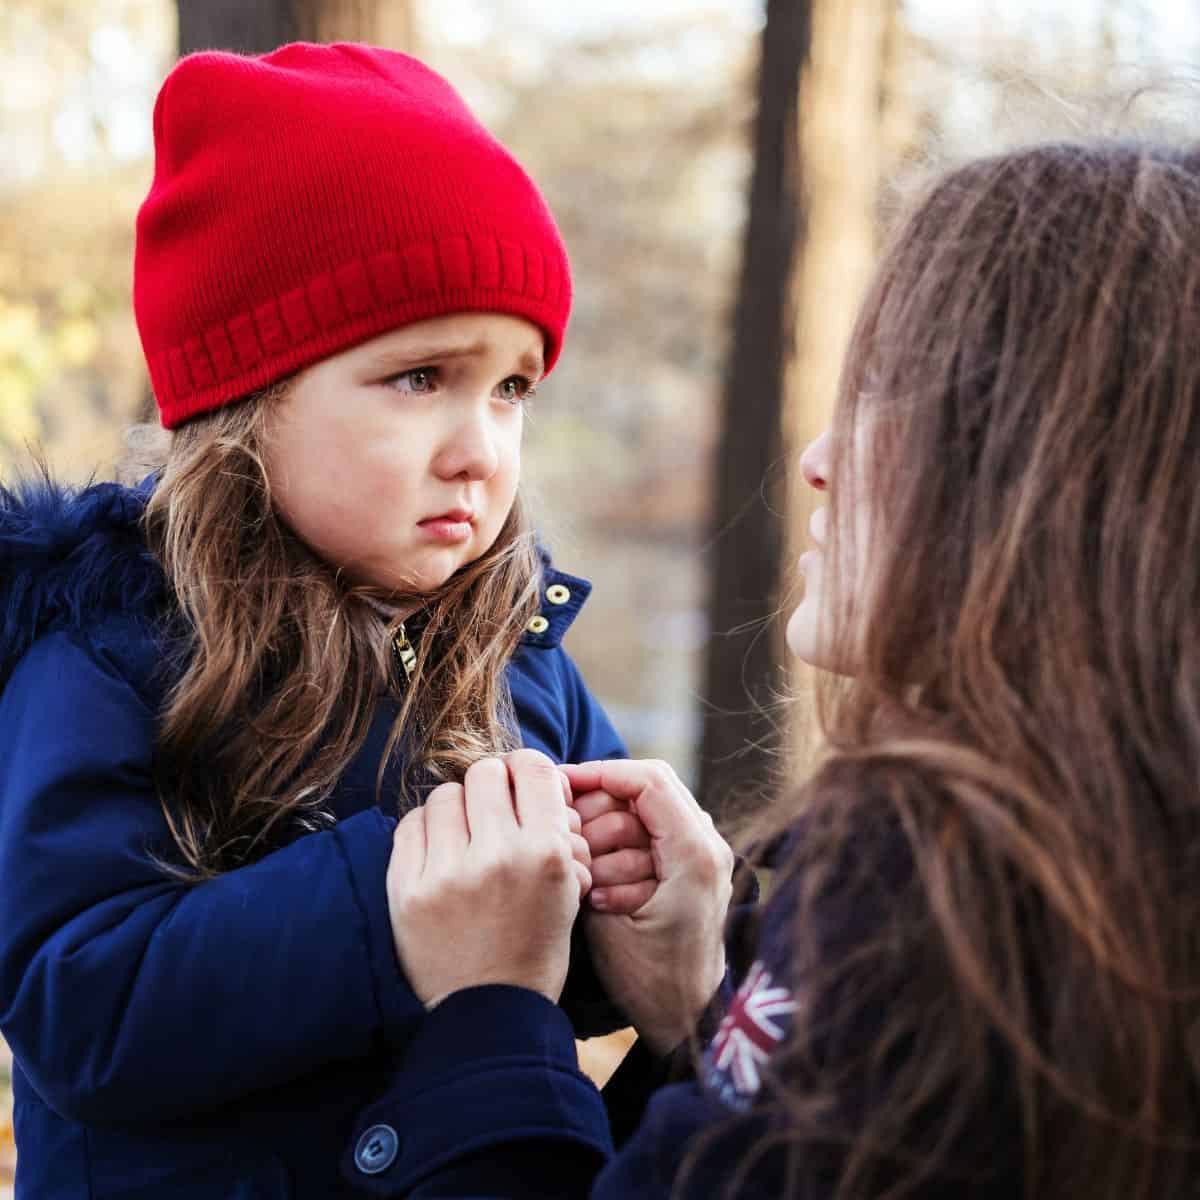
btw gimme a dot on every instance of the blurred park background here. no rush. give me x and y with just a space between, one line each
723 173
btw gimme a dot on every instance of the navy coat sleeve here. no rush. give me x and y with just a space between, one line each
557 713
489 1101
505 1121
128 996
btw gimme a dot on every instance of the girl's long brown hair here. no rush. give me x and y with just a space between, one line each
997 874
280 663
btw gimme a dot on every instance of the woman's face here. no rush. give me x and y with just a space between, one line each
819 631
397 460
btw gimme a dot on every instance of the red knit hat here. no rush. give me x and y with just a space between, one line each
317 196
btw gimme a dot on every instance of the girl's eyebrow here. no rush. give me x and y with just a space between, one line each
393 359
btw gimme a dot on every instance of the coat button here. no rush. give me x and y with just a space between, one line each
538 624
376 1149
557 594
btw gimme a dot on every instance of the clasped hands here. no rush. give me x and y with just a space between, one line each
487 879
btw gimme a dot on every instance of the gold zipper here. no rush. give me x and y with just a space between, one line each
406 656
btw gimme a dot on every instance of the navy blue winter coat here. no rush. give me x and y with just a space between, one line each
192 1041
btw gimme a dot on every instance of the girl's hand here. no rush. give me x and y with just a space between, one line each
663 963
485 881
623 875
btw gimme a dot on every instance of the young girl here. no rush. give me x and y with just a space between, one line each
979 971
326 601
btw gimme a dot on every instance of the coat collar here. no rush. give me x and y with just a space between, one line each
562 596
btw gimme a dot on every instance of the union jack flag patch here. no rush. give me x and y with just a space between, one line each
755 1024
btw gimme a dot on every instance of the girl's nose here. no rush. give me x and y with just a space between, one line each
815 462
469 451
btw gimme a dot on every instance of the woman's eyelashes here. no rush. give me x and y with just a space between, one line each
425 381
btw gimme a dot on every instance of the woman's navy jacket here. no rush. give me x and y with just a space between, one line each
488 1099
208 1040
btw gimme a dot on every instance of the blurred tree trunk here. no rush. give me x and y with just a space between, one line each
258 26
855 128
742 669
251 28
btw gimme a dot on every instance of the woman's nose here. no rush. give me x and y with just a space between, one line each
815 462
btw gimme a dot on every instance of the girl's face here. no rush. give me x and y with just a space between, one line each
397 460
817 631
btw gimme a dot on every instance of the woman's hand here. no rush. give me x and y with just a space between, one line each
663 963
485 881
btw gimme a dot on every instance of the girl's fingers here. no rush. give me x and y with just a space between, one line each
623 898
615 831
622 778
591 805
636 781
622 866
652 789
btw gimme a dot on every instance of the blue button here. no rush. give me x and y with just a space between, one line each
376 1149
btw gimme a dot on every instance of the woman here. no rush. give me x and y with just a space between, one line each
977 973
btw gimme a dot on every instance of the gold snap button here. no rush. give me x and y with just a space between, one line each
538 624
557 594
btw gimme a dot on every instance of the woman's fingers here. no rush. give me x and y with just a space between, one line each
538 789
622 866
446 832
408 846
574 820
489 803
580 850
584 877
623 899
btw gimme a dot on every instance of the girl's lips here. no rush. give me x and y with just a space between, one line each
449 528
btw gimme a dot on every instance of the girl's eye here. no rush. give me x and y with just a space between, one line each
516 389
419 381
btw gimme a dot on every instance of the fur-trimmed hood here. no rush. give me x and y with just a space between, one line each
67 556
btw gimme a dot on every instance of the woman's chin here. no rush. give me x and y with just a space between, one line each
804 638
811 640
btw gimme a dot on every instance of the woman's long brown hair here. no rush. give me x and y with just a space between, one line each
280 663
997 871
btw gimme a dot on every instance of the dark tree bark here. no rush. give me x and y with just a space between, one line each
251 28
748 536
258 26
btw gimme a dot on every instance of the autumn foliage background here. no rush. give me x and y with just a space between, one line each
639 122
